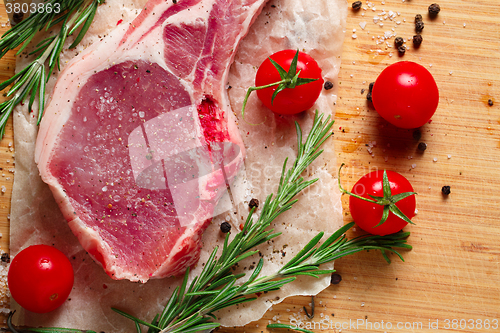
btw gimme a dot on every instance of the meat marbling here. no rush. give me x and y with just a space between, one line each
129 119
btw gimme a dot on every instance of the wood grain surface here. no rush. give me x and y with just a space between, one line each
450 280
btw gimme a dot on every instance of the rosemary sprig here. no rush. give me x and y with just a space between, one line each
289 327
191 309
32 79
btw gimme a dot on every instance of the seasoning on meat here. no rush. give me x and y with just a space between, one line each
113 158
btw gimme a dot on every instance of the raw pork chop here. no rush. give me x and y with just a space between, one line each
131 141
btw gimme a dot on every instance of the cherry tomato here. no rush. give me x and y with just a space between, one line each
40 278
290 100
405 94
367 215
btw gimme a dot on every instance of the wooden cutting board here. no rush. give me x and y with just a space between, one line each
450 280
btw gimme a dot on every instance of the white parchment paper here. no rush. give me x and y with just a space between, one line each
313 26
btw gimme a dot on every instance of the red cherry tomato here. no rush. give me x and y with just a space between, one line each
290 100
40 278
367 215
405 94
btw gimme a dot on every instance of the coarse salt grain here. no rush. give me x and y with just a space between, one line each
413 166
362 25
435 159
449 156
4 189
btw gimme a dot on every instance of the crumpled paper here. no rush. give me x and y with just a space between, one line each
315 27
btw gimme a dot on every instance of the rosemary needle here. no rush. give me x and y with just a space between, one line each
32 79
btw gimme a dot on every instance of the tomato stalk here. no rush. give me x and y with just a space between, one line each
289 80
388 201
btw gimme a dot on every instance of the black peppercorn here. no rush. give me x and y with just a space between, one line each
5 257
17 17
401 49
399 41
446 190
417 40
434 9
419 26
370 88
328 85
417 135
422 146
225 227
490 102
418 17
336 278
254 203
356 5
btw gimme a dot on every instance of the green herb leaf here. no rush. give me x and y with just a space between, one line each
32 79
289 327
